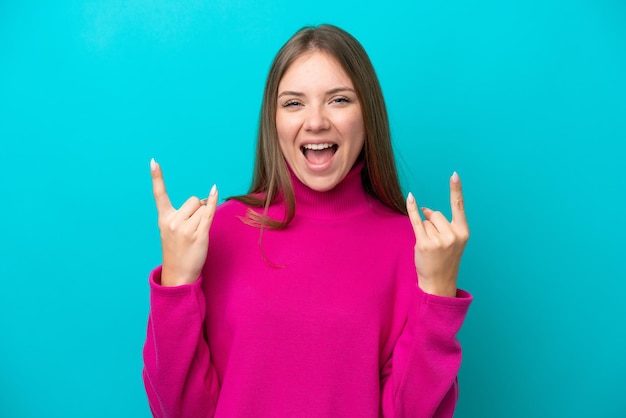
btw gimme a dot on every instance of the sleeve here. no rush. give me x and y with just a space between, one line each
420 378
179 378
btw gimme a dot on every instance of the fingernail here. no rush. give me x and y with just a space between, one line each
152 165
213 190
455 178
410 198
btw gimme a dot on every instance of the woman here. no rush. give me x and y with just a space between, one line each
318 296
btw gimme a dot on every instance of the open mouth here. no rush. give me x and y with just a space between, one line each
318 154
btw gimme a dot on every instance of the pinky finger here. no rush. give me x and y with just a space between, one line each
211 205
414 216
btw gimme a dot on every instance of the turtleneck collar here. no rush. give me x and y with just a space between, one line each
346 199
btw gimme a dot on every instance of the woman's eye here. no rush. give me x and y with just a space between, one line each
341 100
291 103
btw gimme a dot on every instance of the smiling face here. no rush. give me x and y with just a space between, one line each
319 120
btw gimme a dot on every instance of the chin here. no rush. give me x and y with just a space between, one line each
321 184
321 188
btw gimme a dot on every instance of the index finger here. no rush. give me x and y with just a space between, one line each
457 202
158 188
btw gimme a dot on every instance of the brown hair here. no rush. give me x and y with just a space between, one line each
271 176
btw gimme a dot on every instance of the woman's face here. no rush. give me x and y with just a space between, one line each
319 121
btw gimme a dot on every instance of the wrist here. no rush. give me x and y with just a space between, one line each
437 289
171 278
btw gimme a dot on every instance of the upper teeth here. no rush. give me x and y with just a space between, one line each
317 146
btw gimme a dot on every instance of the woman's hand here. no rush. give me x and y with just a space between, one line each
184 232
439 244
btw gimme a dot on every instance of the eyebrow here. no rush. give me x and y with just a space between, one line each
331 91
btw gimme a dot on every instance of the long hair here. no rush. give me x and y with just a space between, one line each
271 176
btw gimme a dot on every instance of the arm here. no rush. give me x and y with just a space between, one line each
179 378
420 379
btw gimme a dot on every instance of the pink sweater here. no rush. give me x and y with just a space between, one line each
335 327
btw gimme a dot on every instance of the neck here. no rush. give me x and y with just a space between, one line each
345 199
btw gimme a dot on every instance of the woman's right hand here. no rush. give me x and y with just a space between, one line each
184 232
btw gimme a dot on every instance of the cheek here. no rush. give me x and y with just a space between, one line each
356 130
281 131
286 129
285 137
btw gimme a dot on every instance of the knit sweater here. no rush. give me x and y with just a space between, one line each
321 319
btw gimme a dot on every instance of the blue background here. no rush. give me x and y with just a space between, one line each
525 99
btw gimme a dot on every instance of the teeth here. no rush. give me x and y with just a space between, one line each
317 146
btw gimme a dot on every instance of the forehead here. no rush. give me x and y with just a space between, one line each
315 69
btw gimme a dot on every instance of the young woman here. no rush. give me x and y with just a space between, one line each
317 296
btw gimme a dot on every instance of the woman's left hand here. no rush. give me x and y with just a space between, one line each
439 244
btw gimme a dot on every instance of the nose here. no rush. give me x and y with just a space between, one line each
316 119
